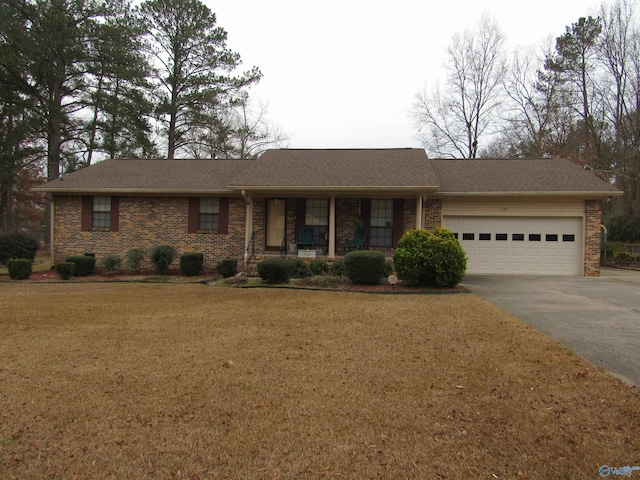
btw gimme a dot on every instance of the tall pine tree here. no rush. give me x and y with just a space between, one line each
194 69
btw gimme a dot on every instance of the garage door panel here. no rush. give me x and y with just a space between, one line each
520 244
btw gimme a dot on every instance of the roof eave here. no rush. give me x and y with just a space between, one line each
329 189
134 191
581 194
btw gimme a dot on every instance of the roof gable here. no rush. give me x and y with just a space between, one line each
340 169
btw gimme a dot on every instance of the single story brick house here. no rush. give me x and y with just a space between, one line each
516 216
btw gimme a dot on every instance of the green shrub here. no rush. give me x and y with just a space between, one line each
191 263
319 267
17 245
388 268
623 228
134 258
274 270
623 258
610 249
162 257
19 268
338 269
85 265
364 267
65 270
110 263
430 257
298 267
227 267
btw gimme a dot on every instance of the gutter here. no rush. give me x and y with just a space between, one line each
582 194
419 189
133 191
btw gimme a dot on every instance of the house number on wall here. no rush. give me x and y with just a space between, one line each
504 209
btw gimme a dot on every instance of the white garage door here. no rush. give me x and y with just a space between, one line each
520 245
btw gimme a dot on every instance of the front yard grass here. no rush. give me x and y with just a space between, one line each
191 381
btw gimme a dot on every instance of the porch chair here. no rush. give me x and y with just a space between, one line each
358 241
305 237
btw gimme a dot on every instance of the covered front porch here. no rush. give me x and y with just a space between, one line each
324 226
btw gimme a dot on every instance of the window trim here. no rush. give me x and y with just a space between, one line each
193 216
87 214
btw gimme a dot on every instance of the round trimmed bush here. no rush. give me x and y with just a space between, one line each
65 270
110 263
85 265
338 269
388 268
430 257
274 270
17 245
162 257
19 268
191 263
318 267
298 267
227 267
134 258
365 267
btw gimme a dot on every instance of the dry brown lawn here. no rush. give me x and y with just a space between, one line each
142 381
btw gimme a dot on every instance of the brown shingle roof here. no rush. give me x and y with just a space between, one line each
344 170
539 175
340 169
151 176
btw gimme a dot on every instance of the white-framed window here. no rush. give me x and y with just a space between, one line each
381 226
317 212
209 213
101 212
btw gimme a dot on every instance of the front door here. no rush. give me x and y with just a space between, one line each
276 213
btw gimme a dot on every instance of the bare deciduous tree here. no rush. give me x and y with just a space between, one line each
242 130
453 119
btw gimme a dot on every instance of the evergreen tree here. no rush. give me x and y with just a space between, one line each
194 70
118 81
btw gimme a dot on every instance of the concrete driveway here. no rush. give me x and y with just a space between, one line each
598 318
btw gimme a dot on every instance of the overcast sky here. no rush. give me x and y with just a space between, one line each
343 73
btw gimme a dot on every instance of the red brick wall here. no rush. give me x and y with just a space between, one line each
432 214
592 232
146 222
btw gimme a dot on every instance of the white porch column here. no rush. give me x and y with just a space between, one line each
248 229
332 227
419 212
52 222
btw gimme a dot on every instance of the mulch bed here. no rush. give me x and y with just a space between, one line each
51 276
